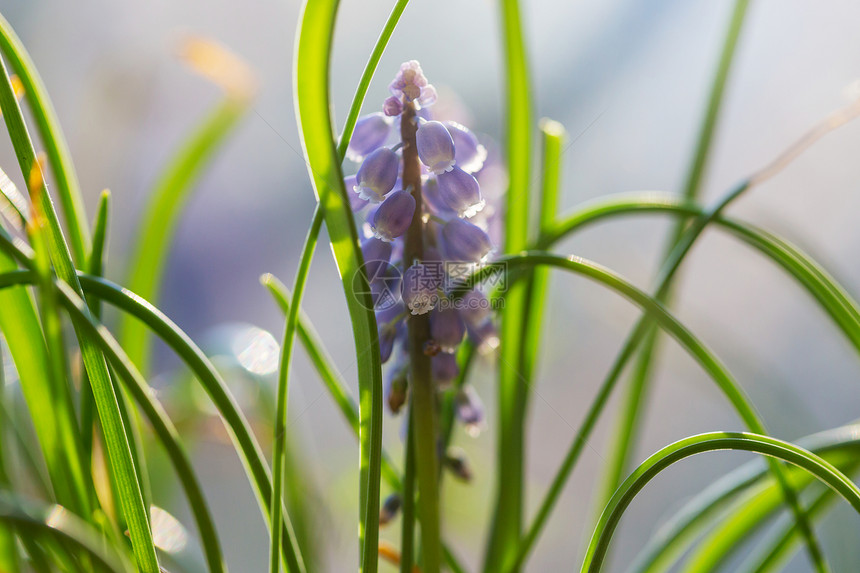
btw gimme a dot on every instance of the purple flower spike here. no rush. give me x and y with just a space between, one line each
419 288
464 242
377 255
445 368
435 147
377 175
371 132
392 106
470 154
470 411
447 329
460 190
394 216
356 203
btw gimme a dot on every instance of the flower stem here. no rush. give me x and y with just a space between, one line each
423 404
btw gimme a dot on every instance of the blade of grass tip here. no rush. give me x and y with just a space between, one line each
634 397
311 88
654 311
650 468
673 539
178 180
280 425
691 234
95 266
513 391
115 434
53 139
33 519
137 386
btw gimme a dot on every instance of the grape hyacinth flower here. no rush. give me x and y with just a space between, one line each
377 175
438 168
435 147
460 191
393 217
370 133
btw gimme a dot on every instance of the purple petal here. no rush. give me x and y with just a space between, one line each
377 255
464 242
435 146
392 106
470 154
445 368
447 329
460 191
420 286
371 132
394 216
377 175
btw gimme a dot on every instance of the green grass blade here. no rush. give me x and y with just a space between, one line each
635 396
367 76
36 520
654 311
650 468
311 83
161 215
52 136
152 409
673 539
513 391
280 425
115 433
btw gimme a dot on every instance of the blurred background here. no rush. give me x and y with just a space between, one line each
629 80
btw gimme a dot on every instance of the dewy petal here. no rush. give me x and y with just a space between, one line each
464 242
435 147
447 329
394 216
420 286
470 154
371 132
460 190
377 175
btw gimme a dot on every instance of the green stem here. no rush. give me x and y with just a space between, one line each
422 409
407 519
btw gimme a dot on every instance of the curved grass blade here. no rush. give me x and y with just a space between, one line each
52 136
513 389
635 395
673 539
62 525
771 447
654 311
177 182
115 433
311 83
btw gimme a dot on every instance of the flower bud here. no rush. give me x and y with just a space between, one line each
447 329
460 191
409 82
396 386
455 460
470 410
445 368
390 509
470 154
377 175
420 287
464 242
392 106
370 133
435 147
394 216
